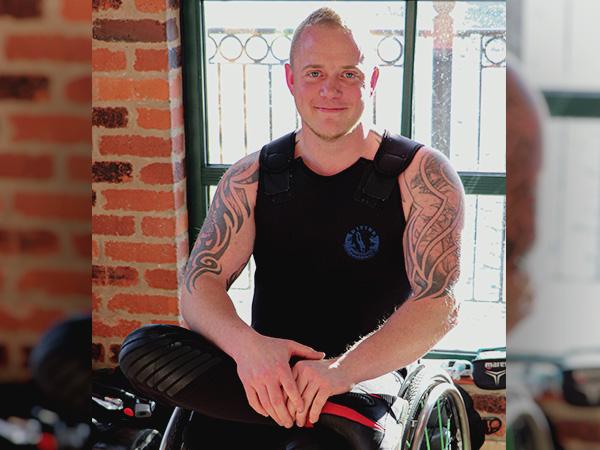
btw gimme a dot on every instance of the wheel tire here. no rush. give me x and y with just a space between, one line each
416 389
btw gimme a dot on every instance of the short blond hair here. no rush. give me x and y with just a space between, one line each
323 16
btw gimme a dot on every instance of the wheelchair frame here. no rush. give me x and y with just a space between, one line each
428 387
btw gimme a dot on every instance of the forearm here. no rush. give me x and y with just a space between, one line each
410 332
209 311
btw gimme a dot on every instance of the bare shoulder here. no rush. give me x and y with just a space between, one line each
430 177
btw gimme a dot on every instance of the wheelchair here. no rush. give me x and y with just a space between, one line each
437 416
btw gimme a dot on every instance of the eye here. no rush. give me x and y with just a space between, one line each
313 74
350 75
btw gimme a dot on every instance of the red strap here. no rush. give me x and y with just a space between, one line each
350 414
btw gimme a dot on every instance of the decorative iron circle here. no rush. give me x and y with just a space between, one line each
389 51
222 50
495 50
213 47
281 46
249 45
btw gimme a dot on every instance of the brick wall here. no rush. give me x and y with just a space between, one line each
139 218
44 171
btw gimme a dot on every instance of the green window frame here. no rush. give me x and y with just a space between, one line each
201 175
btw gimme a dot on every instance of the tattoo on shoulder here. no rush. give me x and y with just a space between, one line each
228 211
432 236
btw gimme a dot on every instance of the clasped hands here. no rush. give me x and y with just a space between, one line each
286 394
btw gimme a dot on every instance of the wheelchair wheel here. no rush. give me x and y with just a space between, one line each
527 427
173 435
437 414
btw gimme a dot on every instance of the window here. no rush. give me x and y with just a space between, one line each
566 261
237 101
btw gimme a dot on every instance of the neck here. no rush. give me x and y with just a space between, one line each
331 156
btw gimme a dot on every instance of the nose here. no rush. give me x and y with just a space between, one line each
330 88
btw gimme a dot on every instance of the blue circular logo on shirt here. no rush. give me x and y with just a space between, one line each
362 242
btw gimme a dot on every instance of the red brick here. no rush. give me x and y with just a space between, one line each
154 119
114 350
151 59
179 144
56 282
37 319
166 322
128 89
18 165
79 90
78 167
24 87
111 172
135 146
179 198
106 4
77 10
82 244
161 279
114 276
495 404
21 9
113 225
105 60
121 329
98 352
109 117
183 248
96 303
138 200
57 128
586 432
181 222
144 30
140 252
34 242
140 304
51 205
175 86
175 57
162 173
53 47
158 226
95 249
151 6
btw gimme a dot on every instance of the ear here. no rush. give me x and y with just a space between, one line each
374 78
289 78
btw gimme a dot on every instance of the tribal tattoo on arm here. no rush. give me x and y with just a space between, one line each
228 211
433 231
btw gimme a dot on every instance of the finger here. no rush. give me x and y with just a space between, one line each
291 407
276 398
291 389
254 402
305 351
317 406
307 396
265 401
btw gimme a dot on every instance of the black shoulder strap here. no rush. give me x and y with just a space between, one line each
395 154
275 162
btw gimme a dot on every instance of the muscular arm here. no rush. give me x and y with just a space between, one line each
433 195
220 253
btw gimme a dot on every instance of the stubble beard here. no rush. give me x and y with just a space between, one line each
331 137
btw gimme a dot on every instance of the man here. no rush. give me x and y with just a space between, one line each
356 242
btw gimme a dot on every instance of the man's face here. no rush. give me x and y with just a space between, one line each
328 81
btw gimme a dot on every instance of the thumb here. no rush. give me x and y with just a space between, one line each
305 351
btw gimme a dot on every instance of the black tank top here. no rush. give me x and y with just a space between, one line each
329 269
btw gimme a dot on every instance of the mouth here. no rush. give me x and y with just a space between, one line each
329 110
